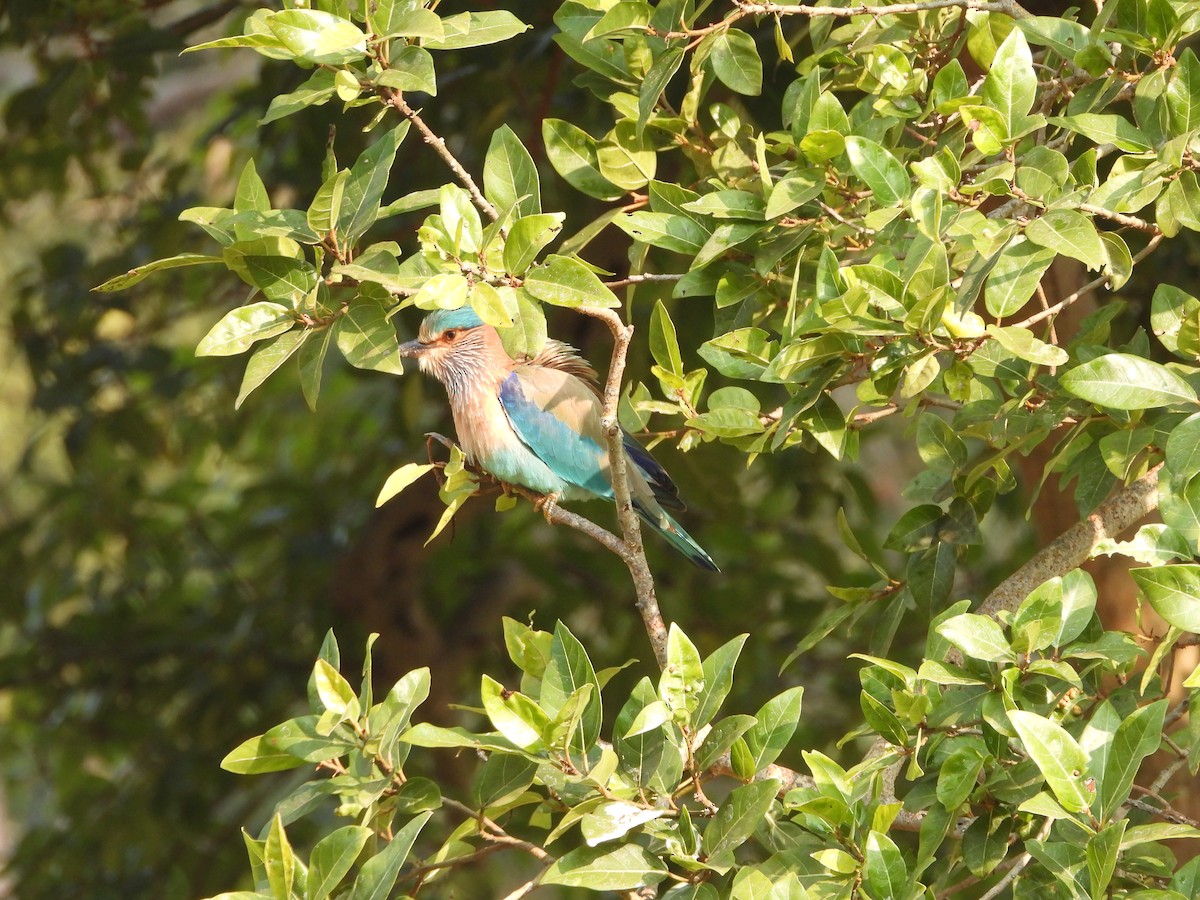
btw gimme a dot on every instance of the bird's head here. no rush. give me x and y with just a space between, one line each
451 345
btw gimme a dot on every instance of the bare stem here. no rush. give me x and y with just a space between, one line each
396 99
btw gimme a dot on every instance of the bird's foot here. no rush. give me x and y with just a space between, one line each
547 503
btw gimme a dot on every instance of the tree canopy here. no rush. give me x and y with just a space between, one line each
869 278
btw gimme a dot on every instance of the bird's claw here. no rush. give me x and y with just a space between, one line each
547 503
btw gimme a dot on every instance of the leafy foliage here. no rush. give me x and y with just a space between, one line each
854 203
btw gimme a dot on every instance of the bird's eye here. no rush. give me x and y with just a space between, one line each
450 335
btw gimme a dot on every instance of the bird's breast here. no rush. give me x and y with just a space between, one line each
488 440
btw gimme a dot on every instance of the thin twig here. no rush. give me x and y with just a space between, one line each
396 99
1010 876
1087 288
641 279
527 887
1121 218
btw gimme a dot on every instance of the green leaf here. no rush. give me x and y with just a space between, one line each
240 328
1153 545
1070 233
1183 93
279 860
1138 736
678 233
259 754
726 423
978 637
574 155
378 874
722 737
514 715
1105 129
528 334
1011 84
460 220
367 338
475 29
510 178
314 92
988 130
1057 755
1021 343
318 37
879 170
1170 308
1126 381
655 82
958 777
312 365
502 779
739 815
267 359
410 69
664 345
884 871
266 44
625 159
792 191
526 238
366 183
718 680
448 290
1174 592
736 62
563 281
399 480
683 677
397 18
623 17
568 670
623 868
775 724
615 819
251 193
1015 277
334 691
133 276
1183 448
1102 851
332 858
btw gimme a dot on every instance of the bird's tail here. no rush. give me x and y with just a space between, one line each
661 522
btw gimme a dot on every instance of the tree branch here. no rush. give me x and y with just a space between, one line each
634 555
1074 546
1005 7
396 99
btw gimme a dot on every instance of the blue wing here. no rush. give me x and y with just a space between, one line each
557 417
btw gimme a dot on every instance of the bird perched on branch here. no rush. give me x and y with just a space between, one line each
536 423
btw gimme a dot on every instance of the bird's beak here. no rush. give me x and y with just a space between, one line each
413 349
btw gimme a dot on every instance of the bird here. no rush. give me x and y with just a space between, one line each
536 422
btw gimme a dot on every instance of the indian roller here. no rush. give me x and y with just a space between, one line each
536 422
